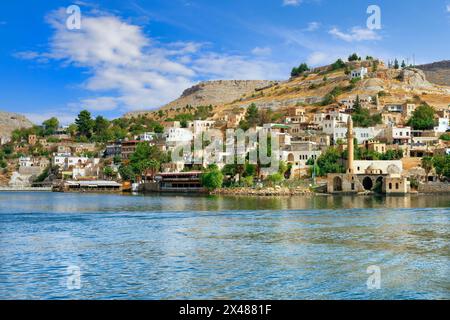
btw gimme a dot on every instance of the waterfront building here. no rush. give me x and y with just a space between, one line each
367 175
128 148
176 182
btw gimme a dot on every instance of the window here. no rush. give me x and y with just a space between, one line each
396 186
390 186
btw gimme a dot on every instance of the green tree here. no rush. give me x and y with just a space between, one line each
252 116
109 172
275 179
329 162
427 164
147 157
422 118
101 129
353 57
84 123
297 71
127 173
362 118
396 65
212 178
339 64
442 165
50 126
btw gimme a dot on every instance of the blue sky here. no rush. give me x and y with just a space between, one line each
134 55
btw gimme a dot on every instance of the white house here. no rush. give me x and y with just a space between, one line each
64 162
398 135
361 134
176 136
393 107
359 73
443 125
199 126
25 162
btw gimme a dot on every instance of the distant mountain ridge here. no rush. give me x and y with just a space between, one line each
10 121
437 72
212 93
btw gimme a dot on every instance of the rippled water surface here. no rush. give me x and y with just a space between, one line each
177 247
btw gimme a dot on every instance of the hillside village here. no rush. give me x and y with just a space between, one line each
359 126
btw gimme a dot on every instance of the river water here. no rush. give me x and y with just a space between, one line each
87 246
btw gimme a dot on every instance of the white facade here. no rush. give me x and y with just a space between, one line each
299 158
443 125
175 136
199 126
25 162
361 134
394 107
359 73
398 135
65 162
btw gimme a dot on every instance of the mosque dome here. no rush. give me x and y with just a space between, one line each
393 169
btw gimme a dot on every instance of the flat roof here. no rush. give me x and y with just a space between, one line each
99 183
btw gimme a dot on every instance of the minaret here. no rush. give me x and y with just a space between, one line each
350 147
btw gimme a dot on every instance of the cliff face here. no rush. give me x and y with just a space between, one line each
10 121
437 72
213 93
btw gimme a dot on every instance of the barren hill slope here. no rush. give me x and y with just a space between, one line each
212 93
437 72
10 121
316 89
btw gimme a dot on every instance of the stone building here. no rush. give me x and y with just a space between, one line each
367 175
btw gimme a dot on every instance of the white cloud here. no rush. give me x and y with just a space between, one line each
318 58
313 26
356 34
448 8
229 67
134 71
100 104
291 2
262 51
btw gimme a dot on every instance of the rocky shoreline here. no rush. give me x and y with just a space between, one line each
264 192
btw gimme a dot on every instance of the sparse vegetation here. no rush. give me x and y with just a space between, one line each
298 71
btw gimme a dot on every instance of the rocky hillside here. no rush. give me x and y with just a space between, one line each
212 93
437 72
323 85
10 121
317 89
